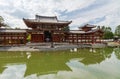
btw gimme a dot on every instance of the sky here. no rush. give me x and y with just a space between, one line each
80 12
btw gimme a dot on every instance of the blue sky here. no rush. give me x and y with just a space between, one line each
96 12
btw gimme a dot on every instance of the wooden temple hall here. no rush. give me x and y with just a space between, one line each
87 34
50 29
12 37
46 29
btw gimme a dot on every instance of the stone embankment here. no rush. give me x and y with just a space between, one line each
47 47
17 48
113 44
99 45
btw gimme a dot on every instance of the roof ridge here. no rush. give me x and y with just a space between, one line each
46 16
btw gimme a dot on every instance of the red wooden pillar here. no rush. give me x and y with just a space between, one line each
5 39
11 40
81 38
100 39
72 38
52 46
60 37
25 38
77 38
88 38
69 38
93 39
85 39
17 40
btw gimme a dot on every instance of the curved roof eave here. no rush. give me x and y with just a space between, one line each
30 23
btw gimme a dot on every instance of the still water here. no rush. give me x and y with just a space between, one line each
83 64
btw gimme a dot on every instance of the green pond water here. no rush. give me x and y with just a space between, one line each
83 64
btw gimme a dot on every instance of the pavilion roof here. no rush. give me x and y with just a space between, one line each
45 20
95 30
88 26
77 31
83 32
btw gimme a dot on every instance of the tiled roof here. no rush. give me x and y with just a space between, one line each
94 30
88 25
82 32
13 30
77 31
46 18
45 21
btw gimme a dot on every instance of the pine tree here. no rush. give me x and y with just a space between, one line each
117 31
108 34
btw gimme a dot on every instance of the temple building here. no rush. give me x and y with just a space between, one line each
12 37
46 29
87 34
50 29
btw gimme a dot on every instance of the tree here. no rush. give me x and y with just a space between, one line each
1 19
66 29
2 22
28 37
117 31
108 34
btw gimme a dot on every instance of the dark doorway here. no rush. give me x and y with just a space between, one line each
47 36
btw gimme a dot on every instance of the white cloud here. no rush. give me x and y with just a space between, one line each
79 11
71 5
109 11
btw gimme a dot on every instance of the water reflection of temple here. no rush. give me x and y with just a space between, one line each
96 58
106 69
45 63
117 52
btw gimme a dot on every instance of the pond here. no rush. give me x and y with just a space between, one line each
83 64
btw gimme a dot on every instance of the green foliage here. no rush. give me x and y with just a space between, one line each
2 22
108 34
1 19
29 37
66 29
117 31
